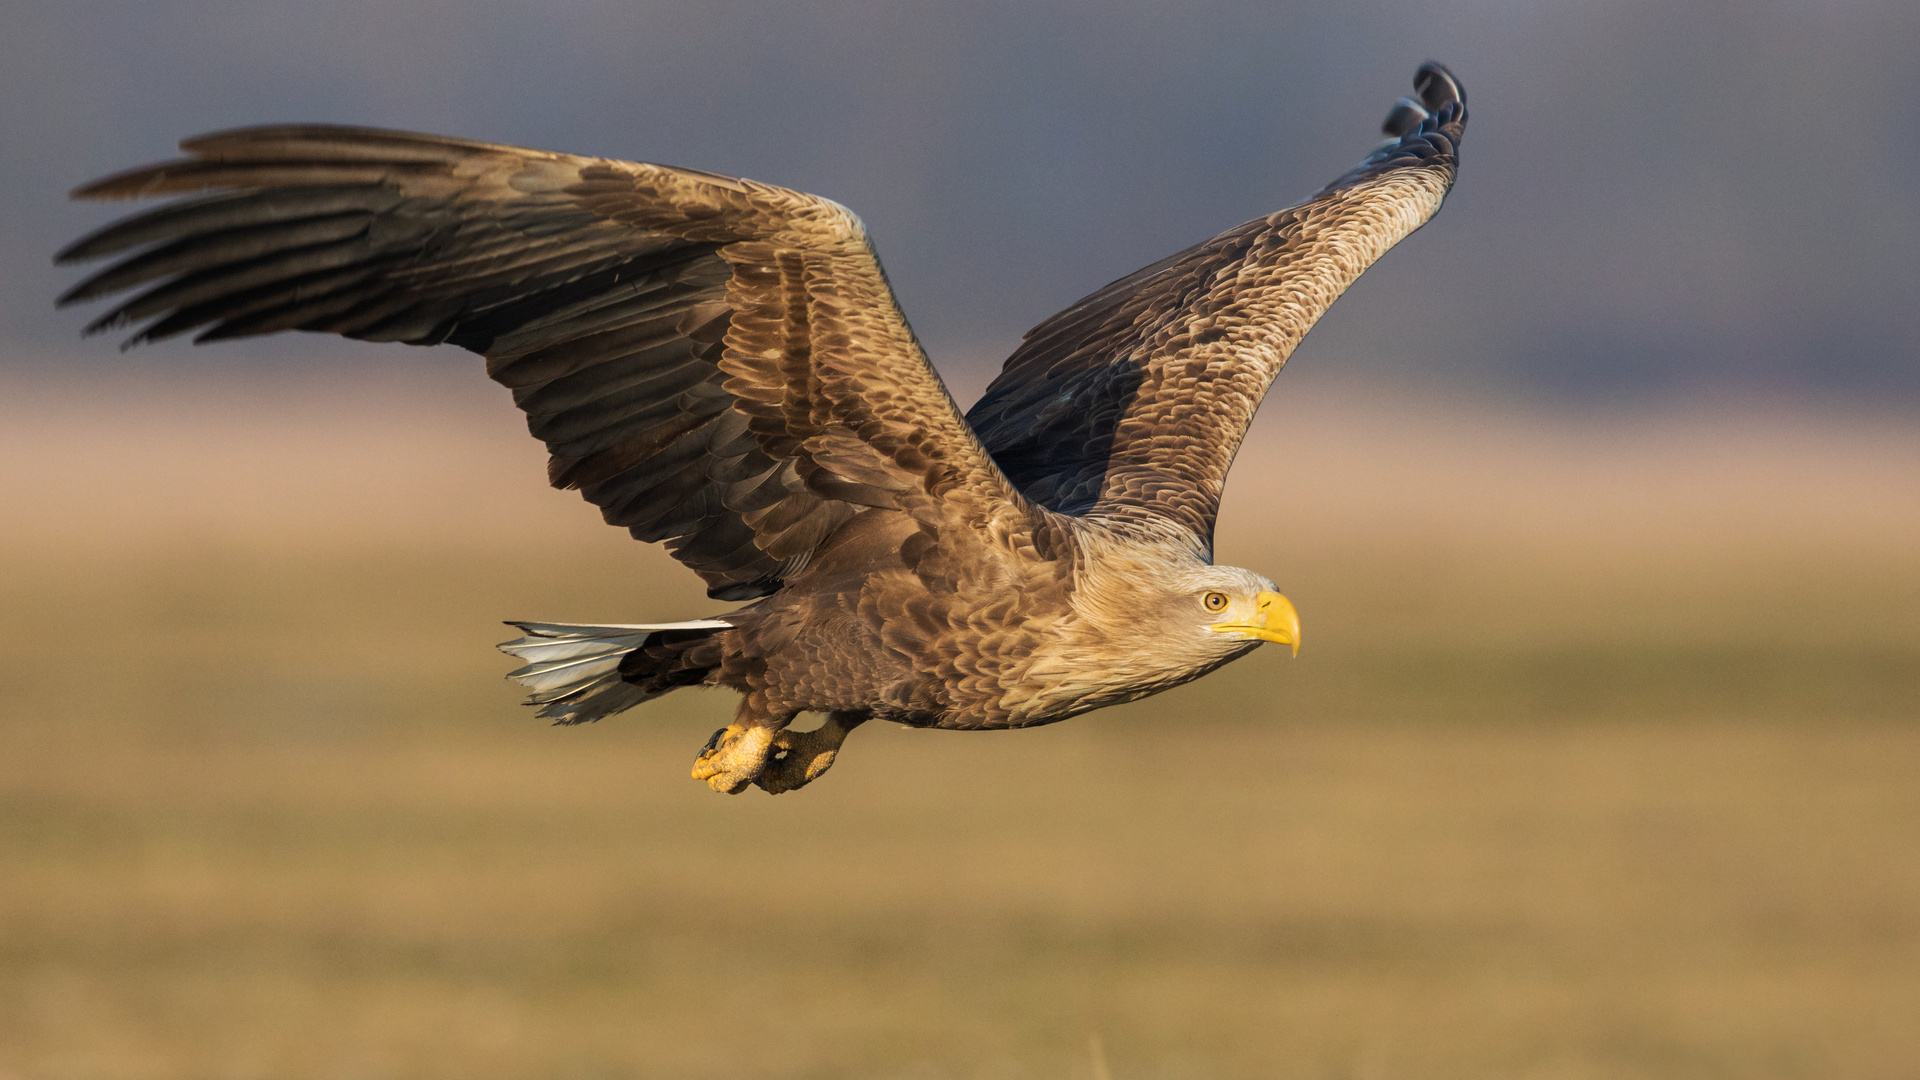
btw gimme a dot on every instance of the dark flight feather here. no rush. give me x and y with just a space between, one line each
627 306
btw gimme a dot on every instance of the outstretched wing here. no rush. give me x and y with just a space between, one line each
1132 402
716 363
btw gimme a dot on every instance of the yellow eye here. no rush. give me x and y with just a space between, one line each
1215 601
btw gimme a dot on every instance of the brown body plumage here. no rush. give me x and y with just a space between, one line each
719 364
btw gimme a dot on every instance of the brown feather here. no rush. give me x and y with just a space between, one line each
1134 400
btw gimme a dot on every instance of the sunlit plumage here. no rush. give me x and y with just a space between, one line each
720 365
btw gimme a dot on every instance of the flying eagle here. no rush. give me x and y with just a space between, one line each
720 365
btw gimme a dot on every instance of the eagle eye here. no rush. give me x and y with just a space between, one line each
1215 601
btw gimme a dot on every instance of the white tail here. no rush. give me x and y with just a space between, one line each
574 671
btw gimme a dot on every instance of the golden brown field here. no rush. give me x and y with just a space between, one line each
1602 759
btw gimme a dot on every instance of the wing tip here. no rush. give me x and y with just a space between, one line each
1437 89
130 184
1437 86
218 145
310 143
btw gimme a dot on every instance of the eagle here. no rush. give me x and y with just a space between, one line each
720 365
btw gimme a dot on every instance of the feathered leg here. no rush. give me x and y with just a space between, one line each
799 757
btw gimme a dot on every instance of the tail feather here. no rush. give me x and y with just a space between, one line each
573 671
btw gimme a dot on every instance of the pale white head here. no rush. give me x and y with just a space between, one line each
1232 605
1162 621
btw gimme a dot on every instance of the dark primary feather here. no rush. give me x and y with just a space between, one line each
660 327
1111 381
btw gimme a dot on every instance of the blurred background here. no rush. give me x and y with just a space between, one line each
1599 497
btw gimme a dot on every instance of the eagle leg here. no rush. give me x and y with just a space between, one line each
734 756
799 757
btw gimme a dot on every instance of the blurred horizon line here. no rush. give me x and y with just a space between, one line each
394 450
966 370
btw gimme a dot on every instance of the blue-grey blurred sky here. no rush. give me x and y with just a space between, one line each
1657 199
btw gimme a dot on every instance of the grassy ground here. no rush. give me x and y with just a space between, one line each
1601 760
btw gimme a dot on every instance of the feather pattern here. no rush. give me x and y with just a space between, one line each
1131 403
669 333
573 671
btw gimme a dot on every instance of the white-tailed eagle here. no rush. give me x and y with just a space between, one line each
719 365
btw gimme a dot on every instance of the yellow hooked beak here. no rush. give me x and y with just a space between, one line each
1273 620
